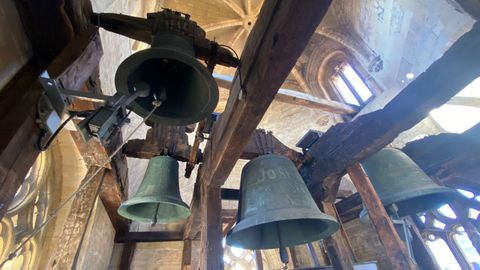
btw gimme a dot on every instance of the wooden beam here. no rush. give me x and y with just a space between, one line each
275 43
18 103
158 236
394 246
211 255
259 259
192 226
302 99
293 257
70 240
127 254
349 208
142 29
111 192
335 245
175 139
187 255
453 159
346 143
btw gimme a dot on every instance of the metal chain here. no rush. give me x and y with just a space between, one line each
54 213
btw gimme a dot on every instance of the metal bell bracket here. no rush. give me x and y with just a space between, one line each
396 219
100 123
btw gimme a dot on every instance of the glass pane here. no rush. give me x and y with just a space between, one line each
473 213
467 248
447 211
443 255
345 92
465 193
357 83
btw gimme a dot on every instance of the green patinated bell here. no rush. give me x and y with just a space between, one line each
275 208
398 180
158 198
169 68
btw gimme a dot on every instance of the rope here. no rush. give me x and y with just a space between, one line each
54 213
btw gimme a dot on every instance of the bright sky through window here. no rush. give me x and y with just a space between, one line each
456 118
357 83
345 91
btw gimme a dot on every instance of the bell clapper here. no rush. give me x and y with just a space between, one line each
157 102
154 219
281 248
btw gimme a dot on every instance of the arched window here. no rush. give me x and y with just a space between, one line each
350 86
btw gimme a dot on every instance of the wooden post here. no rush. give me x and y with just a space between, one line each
313 255
70 240
293 257
394 246
259 259
211 236
337 249
187 255
127 254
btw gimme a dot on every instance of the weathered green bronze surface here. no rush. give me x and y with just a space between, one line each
186 88
398 180
275 203
158 198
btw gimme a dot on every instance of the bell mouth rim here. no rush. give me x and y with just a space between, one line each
331 226
182 206
447 195
133 61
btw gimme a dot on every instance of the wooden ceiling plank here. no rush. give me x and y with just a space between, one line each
346 143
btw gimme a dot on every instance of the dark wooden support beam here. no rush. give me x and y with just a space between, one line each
142 29
452 159
346 143
336 247
293 257
160 236
349 208
70 240
111 192
262 142
127 254
187 255
394 246
230 194
192 227
275 43
18 103
259 259
211 255
158 139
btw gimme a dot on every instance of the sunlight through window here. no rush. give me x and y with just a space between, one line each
443 255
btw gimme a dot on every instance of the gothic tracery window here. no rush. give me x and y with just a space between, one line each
350 86
28 210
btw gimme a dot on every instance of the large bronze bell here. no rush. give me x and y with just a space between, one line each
187 90
275 208
398 180
158 197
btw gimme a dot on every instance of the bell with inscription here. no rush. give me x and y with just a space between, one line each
158 199
399 181
276 210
